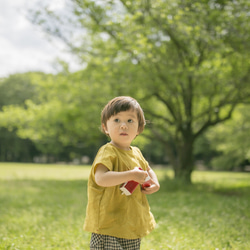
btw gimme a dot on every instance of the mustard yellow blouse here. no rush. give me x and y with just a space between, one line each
108 211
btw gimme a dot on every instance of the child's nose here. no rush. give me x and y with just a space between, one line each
124 125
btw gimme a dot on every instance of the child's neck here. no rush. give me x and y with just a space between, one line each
127 148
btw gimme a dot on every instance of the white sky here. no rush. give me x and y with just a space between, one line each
23 46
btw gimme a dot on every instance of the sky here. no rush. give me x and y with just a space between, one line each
25 47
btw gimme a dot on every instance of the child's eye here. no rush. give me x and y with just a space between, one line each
116 120
130 120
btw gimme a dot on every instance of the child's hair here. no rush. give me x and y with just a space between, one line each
119 104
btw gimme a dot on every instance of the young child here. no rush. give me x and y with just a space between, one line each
115 220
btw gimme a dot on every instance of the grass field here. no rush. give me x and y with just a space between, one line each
43 207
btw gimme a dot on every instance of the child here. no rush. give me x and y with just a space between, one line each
118 221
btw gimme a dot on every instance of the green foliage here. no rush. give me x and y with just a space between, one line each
43 206
187 63
231 140
13 148
61 110
17 88
205 150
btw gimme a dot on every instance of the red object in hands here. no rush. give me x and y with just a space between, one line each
128 188
145 184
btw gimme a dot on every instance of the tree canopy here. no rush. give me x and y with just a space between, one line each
187 63
231 140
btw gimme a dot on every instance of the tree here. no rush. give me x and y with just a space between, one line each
188 60
14 90
231 140
60 119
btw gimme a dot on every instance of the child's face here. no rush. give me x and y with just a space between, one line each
122 128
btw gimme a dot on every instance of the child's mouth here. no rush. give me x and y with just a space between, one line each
123 134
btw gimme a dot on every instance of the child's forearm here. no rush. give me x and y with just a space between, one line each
153 176
106 178
111 178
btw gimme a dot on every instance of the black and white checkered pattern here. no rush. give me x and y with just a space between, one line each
106 242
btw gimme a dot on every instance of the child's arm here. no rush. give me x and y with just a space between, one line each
106 178
155 186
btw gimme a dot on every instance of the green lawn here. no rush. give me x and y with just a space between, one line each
43 207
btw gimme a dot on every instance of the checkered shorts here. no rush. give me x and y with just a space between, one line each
106 242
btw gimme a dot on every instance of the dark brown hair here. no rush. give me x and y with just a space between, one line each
119 104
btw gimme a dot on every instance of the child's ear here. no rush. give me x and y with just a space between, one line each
104 128
138 131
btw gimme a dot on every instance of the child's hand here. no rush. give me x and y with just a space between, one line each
139 175
154 187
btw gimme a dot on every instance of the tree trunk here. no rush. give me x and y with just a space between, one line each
183 175
184 165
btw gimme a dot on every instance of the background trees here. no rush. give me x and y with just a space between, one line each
231 141
55 118
185 61
14 91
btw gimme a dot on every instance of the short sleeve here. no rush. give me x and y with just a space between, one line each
105 156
